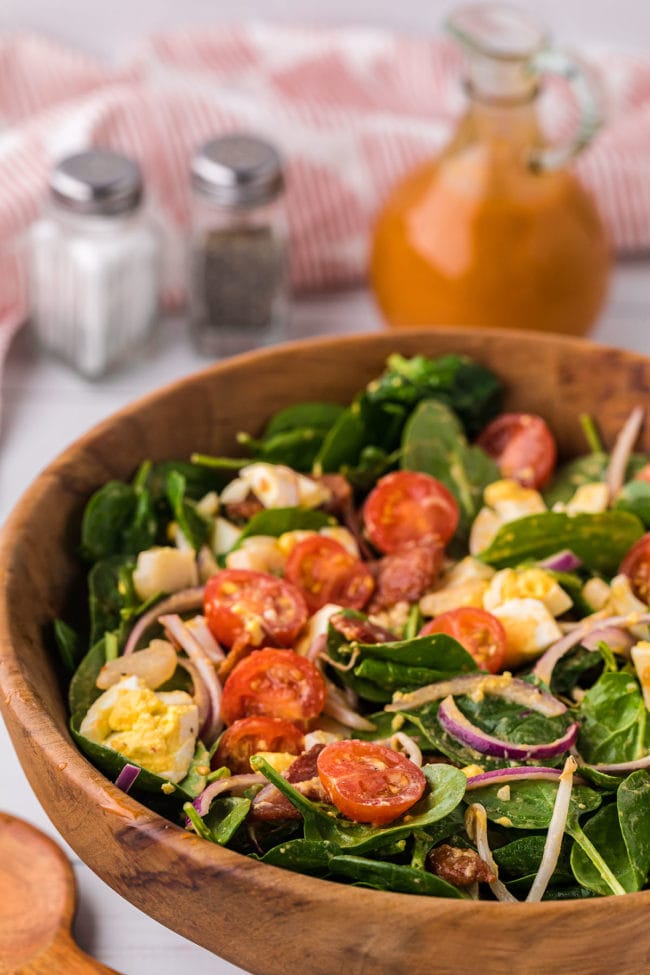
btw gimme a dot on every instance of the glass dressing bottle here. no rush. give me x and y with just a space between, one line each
94 263
497 231
238 289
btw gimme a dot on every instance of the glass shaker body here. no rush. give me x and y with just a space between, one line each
238 281
94 282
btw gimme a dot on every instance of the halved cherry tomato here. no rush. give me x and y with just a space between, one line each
255 734
325 572
636 566
407 506
478 631
274 683
369 783
522 446
243 606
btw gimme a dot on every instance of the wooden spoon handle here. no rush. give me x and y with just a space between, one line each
64 956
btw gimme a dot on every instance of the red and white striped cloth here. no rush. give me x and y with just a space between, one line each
351 109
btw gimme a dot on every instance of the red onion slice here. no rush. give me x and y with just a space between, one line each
177 629
620 768
615 637
232 783
461 728
127 777
563 561
503 776
622 449
544 667
179 602
497 685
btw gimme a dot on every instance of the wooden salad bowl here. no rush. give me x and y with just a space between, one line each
270 921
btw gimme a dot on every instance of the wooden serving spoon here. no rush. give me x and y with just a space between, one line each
37 904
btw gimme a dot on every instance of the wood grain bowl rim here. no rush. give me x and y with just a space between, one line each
112 812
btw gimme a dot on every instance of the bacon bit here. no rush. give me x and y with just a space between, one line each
459 867
239 512
406 575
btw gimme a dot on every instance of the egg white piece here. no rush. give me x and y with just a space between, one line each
157 730
530 628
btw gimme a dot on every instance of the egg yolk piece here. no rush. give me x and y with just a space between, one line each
155 730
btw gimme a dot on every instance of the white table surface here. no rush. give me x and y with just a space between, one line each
45 407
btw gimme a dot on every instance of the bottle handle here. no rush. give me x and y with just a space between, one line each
551 61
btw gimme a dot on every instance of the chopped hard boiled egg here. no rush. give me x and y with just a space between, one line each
588 499
641 659
505 500
164 569
157 730
454 597
531 583
280 761
530 629
257 552
276 486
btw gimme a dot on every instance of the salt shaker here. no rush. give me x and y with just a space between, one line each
238 293
94 267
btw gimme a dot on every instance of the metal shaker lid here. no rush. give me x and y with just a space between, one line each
97 181
237 170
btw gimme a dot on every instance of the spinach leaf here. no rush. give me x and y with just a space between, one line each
530 805
68 644
520 859
434 442
119 519
471 390
294 436
381 875
111 592
304 856
599 540
342 444
194 527
633 804
277 521
199 479
379 669
613 721
604 832
322 821
225 816
635 498
83 690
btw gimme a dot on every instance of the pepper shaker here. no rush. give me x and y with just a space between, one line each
238 292
94 263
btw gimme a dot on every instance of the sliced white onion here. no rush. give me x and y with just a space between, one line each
232 783
200 693
499 685
622 450
555 834
461 728
179 602
407 745
337 707
177 629
476 825
198 626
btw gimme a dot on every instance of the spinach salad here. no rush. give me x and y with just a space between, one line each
396 644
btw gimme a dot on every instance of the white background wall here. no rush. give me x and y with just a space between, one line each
110 27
